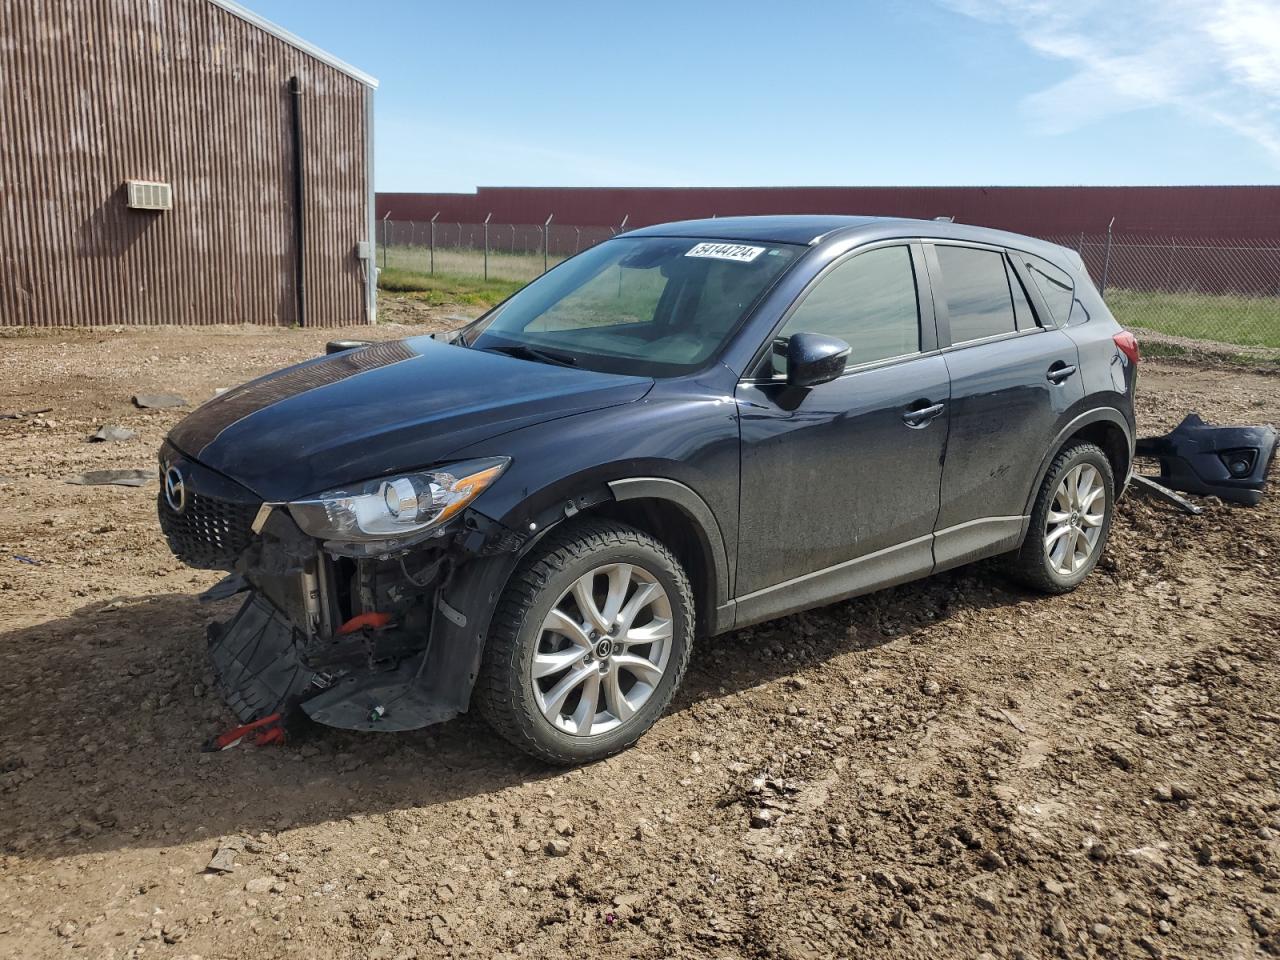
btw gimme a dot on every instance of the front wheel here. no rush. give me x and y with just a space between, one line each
1069 522
589 643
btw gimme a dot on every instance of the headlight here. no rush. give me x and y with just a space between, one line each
396 507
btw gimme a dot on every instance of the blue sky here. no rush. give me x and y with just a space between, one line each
745 93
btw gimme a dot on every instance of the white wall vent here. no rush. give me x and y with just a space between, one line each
149 195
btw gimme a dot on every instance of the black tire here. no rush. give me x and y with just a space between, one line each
1030 563
504 691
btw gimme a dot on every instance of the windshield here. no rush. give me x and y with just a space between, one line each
650 306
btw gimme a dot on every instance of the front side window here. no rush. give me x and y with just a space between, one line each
975 285
648 306
869 301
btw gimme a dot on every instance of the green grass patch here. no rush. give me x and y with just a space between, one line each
465 262
439 289
1160 348
1246 321
1207 354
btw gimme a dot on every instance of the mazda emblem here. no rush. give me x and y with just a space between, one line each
175 490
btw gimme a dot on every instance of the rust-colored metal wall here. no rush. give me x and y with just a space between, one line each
97 92
1235 212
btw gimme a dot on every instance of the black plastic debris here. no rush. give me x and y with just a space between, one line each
256 661
121 478
159 401
30 560
1226 462
110 432
19 414
228 586
1145 485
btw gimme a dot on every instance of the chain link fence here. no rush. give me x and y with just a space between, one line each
489 251
1224 291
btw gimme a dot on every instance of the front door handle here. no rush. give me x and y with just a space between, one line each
1060 371
918 416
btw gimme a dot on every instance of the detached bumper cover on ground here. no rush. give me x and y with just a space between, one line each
1226 462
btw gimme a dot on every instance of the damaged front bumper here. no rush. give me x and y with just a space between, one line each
375 644
371 643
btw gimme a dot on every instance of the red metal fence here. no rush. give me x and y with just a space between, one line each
1203 289
1212 212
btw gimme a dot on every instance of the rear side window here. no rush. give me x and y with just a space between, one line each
869 301
975 286
1055 286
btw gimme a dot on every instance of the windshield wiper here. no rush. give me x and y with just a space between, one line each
525 352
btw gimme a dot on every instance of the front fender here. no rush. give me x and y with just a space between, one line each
464 611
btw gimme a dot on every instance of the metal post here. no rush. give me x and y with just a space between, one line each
486 245
622 227
299 207
546 241
1106 260
577 238
433 242
385 227
1168 279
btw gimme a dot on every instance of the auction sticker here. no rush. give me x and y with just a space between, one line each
726 251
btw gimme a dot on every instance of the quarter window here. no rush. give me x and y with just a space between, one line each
869 301
1055 286
976 288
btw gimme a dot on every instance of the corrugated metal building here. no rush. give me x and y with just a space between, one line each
261 143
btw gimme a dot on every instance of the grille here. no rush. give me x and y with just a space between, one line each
209 533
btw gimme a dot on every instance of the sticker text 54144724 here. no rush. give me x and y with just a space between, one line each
726 251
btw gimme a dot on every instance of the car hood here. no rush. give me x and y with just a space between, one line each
393 406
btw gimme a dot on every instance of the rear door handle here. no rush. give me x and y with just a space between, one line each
1060 371
921 416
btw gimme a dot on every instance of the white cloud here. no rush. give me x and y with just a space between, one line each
1216 60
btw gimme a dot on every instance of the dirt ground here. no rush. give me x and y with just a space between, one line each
953 768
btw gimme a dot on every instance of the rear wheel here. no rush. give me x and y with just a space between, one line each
588 645
1070 521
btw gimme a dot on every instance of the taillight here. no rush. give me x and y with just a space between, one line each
1128 345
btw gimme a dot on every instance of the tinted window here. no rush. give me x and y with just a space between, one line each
1022 312
976 288
869 301
1055 286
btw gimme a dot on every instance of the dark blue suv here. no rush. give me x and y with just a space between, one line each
687 429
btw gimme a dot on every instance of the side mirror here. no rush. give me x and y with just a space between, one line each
813 358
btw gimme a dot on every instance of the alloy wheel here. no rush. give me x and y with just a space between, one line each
603 649
1073 526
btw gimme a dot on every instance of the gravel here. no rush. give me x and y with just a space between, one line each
963 769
